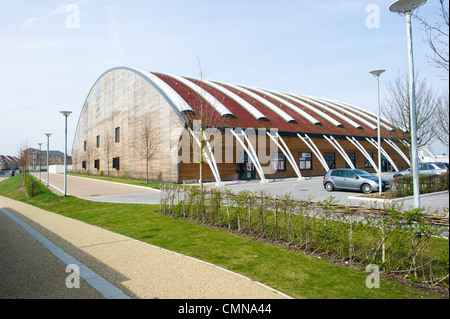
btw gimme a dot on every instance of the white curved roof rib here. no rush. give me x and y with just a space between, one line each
365 113
258 98
312 108
247 106
181 105
346 111
288 104
325 107
216 104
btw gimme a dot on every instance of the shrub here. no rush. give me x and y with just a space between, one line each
401 242
31 185
402 186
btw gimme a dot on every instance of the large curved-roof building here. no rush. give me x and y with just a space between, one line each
131 117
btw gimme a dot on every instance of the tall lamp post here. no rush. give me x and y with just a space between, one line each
48 143
40 144
405 8
376 74
66 115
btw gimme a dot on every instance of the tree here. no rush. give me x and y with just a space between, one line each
23 153
396 108
206 118
442 127
88 154
147 147
107 149
437 34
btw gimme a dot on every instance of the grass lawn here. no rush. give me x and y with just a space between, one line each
293 273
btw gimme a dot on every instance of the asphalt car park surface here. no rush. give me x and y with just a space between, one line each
311 188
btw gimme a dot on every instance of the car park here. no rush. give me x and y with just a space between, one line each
353 179
432 168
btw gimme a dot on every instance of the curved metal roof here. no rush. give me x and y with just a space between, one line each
257 107
245 106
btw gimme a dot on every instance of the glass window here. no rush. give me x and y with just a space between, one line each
97 164
97 141
278 162
116 163
305 161
117 134
352 157
330 160
98 93
367 163
349 174
337 173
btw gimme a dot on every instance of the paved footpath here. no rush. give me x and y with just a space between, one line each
101 190
36 247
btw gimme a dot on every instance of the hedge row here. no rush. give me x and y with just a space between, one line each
399 242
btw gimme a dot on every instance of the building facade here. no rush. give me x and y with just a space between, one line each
8 162
132 117
39 158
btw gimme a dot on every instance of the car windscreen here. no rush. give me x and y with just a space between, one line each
363 173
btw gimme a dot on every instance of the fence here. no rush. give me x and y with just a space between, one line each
399 242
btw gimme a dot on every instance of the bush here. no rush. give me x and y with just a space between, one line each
403 186
400 242
30 185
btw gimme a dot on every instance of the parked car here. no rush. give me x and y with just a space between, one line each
352 179
435 168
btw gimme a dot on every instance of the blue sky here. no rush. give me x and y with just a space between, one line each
52 52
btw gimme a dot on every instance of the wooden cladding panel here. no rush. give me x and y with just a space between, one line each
125 100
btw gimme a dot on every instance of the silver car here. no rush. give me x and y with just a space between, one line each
432 169
352 179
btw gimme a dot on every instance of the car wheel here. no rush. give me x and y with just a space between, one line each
366 188
329 186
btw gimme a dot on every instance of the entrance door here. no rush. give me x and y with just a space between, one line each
250 170
385 164
246 170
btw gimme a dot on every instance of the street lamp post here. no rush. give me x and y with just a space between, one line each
40 144
376 74
406 8
48 143
66 115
